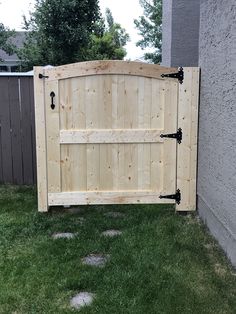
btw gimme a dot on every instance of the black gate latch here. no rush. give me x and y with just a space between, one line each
179 75
41 76
176 196
178 136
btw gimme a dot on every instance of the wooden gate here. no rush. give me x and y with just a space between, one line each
109 132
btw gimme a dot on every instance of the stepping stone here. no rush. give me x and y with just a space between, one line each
64 235
98 260
114 214
82 299
111 233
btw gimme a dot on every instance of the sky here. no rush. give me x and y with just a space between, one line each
124 12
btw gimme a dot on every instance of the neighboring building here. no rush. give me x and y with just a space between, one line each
203 33
12 63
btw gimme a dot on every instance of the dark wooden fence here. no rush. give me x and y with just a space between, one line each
17 130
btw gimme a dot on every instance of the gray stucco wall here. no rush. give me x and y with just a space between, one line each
217 117
217 121
180 32
167 32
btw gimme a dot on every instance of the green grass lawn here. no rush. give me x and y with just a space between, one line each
162 263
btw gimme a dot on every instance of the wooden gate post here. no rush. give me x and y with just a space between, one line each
40 126
187 150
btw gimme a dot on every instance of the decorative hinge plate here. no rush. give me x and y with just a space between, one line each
178 135
176 196
179 75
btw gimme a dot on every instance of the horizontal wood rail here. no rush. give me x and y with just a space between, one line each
106 197
110 136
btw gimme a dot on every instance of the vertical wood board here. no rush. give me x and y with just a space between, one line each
5 122
41 146
53 129
26 130
16 137
187 150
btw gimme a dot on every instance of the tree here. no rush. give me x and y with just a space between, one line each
59 31
67 31
150 28
109 44
5 40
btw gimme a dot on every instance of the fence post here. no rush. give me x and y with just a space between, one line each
40 125
187 150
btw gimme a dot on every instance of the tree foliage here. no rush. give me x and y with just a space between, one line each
67 31
59 31
5 40
150 28
109 44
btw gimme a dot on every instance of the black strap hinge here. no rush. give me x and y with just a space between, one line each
178 135
179 75
41 76
176 196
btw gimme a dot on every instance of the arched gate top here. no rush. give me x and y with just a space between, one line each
107 67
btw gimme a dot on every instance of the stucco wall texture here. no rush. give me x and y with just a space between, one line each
167 32
181 32
217 121
216 37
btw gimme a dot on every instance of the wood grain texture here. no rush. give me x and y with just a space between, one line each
53 137
41 146
187 150
105 127
107 197
104 140
157 120
170 126
33 144
108 67
110 136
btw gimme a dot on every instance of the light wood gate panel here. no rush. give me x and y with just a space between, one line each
121 155
103 143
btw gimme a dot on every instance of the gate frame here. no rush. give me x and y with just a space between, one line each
187 116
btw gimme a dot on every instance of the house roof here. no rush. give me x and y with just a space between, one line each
29 73
18 41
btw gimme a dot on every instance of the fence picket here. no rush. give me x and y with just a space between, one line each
17 130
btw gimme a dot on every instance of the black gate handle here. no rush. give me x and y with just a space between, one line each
52 95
